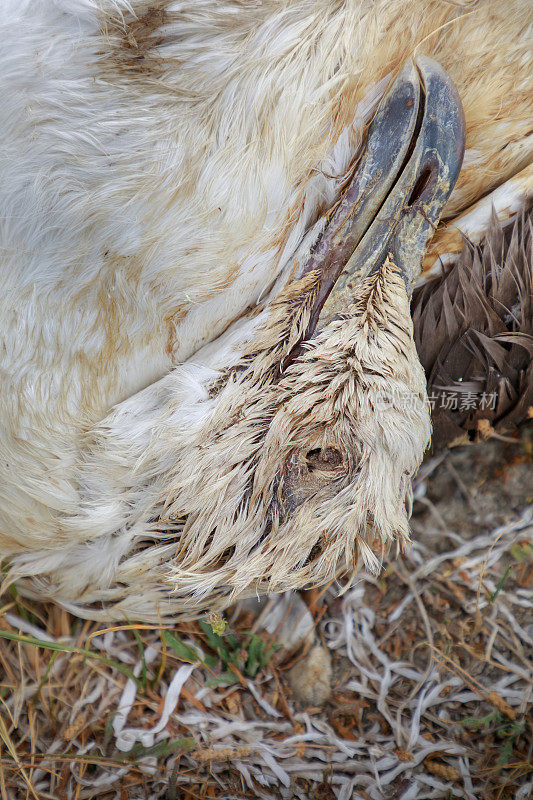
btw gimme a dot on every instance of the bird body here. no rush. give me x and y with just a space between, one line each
166 169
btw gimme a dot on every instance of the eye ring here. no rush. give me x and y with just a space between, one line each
323 458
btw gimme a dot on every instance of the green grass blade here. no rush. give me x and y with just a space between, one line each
65 648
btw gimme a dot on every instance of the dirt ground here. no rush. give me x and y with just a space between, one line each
415 684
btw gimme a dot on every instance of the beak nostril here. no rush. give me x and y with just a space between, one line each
421 183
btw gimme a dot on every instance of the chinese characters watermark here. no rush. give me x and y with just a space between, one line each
444 399
463 401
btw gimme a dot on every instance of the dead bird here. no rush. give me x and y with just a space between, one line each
213 215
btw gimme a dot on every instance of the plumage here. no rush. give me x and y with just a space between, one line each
474 334
167 169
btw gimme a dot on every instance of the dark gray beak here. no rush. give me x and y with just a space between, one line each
412 158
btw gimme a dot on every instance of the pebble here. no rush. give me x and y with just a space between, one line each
310 678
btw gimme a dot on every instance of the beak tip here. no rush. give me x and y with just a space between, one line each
445 99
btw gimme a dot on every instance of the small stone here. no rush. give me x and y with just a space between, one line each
310 678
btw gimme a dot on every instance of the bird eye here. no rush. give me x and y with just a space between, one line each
323 458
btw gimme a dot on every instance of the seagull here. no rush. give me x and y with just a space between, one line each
213 214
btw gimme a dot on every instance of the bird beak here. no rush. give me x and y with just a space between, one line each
393 203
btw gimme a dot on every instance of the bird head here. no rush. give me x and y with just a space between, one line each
304 447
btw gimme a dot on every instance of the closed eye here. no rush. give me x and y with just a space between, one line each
326 458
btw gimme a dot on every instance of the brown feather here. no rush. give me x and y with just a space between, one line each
474 335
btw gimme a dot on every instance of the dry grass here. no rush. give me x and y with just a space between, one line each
432 676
